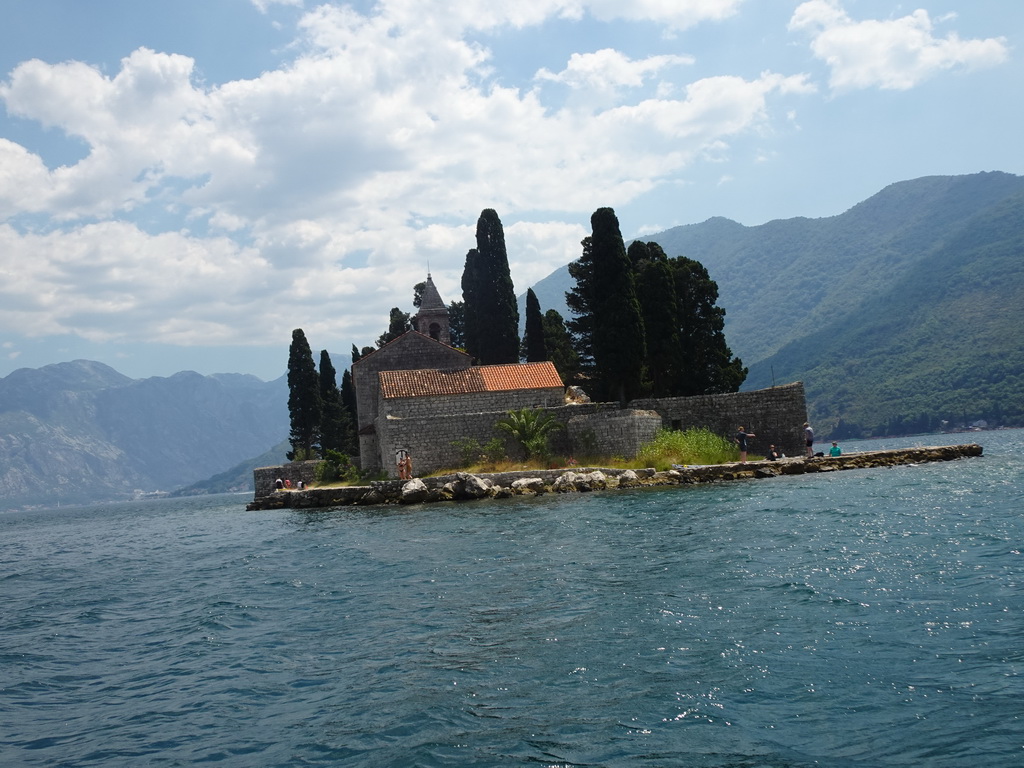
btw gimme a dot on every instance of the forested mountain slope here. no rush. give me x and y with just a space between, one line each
791 286
945 342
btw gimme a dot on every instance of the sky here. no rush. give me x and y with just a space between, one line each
184 183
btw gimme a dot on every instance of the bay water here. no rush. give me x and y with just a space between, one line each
856 618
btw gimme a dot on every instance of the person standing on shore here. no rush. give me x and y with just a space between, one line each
809 439
741 439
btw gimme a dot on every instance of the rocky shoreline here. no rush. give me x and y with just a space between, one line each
463 486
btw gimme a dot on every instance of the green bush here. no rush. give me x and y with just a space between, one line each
337 467
694 446
471 453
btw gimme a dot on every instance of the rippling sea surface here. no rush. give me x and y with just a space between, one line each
859 618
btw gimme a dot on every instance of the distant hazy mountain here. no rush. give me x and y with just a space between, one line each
905 310
240 476
80 431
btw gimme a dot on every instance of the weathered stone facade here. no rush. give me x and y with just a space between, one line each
411 351
265 478
619 433
775 415
428 427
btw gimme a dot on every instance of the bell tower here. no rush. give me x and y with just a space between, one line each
432 319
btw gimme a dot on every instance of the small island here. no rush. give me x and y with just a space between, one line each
463 486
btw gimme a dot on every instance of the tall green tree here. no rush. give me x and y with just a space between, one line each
397 325
559 349
708 364
473 301
660 309
337 432
348 399
492 313
536 351
610 311
305 409
457 324
581 300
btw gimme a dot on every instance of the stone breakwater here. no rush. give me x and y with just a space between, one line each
463 486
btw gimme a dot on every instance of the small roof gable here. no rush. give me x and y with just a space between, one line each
411 338
485 378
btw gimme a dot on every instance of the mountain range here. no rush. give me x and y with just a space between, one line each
77 432
903 314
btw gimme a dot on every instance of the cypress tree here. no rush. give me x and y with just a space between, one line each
536 352
336 429
614 322
660 310
305 408
492 313
581 302
559 349
348 399
472 299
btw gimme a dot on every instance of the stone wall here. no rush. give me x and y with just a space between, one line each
430 440
776 415
615 433
265 478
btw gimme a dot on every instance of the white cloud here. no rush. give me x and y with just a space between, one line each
316 194
264 5
895 54
677 14
608 70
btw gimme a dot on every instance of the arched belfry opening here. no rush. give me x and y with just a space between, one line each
432 319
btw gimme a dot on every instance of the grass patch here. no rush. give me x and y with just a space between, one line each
694 446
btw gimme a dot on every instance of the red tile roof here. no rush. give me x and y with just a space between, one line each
485 378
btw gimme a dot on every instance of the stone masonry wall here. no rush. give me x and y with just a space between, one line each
412 351
776 415
616 433
265 477
429 440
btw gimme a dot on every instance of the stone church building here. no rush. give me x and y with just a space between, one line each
418 394
409 390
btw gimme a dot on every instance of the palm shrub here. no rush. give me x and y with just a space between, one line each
530 427
694 446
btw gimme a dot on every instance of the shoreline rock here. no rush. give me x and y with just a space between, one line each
464 486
